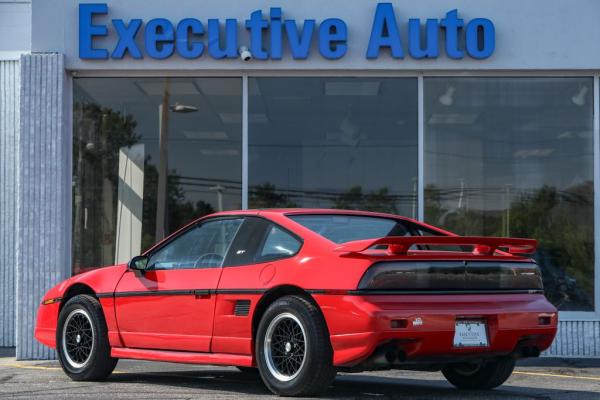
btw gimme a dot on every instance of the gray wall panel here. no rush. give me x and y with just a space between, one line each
576 339
15 26
9 158
43 224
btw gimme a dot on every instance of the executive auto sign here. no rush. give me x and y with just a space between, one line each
268 35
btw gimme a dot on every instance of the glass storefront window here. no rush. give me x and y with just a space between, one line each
149 155
514 157
333 142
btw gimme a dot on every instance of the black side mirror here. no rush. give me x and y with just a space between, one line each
138 263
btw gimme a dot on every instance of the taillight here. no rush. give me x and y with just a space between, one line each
452 275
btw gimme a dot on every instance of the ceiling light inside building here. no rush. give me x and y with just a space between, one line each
447 99
579 98
182 108
566 135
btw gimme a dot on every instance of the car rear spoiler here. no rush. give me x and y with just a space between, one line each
399 245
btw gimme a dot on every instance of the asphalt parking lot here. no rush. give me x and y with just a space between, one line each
543 379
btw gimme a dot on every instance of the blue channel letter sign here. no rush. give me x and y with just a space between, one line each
268 34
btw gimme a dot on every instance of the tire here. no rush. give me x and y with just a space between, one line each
82 340
487 375
293 350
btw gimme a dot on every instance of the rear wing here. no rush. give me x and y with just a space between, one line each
400 245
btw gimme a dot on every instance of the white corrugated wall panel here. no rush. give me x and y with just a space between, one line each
576 339
43 233
9 158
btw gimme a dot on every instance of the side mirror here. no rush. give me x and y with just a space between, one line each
138 263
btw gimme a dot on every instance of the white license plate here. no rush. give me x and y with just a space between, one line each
470 334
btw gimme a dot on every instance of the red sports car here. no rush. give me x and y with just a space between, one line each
300 294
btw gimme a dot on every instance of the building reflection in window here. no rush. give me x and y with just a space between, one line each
514 157
333 142
149 155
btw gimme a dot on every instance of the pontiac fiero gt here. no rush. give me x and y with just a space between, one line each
300 294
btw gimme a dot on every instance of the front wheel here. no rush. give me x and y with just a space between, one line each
486 375
82 340
293 350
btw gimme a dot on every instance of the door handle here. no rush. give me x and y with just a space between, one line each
201 292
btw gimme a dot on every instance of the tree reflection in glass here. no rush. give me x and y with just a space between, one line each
117 124
514 157
333 142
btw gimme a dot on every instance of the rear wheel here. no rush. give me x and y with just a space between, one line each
82 340
486 375
293 351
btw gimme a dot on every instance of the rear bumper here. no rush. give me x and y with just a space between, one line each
359 325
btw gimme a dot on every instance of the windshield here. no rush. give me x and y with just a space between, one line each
347 228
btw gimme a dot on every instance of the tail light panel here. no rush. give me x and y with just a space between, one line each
452 275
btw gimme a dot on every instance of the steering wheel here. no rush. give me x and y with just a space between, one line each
209 260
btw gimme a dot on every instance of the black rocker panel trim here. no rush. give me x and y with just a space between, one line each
182 292
366 292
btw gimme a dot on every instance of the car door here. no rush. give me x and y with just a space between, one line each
170 306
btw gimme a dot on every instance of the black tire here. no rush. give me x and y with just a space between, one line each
488 375
316 371
82 358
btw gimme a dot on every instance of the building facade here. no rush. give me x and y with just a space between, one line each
121 121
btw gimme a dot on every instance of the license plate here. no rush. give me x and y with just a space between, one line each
470 334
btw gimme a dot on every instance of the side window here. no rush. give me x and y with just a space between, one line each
245 247
278 244
203 246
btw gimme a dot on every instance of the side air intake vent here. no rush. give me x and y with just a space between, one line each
242 308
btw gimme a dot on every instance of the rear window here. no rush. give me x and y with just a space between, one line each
347 228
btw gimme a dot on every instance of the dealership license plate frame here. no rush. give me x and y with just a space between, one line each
471 333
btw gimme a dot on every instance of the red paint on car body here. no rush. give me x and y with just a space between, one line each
189 315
